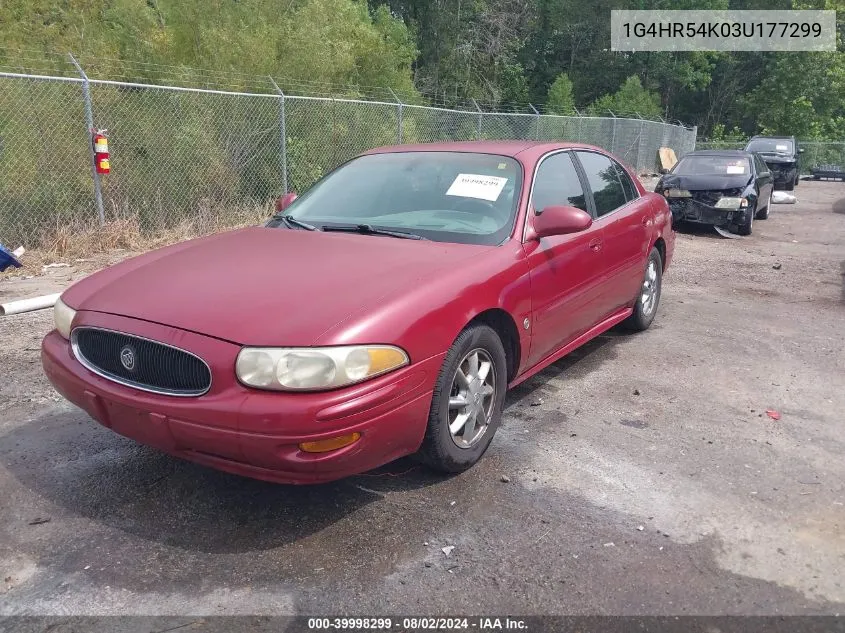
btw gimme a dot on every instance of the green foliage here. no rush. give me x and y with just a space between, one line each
629 100
559 100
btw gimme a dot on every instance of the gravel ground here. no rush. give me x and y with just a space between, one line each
645 476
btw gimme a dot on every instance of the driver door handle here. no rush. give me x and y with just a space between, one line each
595 244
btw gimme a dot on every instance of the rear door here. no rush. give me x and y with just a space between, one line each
626 222
566 270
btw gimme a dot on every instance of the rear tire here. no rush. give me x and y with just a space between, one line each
645 306
466 407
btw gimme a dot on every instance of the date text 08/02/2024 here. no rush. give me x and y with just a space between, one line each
417 623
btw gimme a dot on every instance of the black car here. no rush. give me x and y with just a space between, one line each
781 154
725 188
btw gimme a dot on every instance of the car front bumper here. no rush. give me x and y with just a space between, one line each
689 210
246 431
783 174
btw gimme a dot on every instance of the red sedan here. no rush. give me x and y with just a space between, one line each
383 313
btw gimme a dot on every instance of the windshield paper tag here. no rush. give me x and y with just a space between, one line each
736 169
477 186
781 148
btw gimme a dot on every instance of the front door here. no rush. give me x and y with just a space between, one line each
565 269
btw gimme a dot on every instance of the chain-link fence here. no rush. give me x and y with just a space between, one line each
213 158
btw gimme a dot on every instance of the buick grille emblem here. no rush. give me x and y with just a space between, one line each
127 358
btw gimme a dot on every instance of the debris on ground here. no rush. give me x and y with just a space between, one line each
726 233
537 402
667 158
56 265
39 520
611 544
10 258
640 528
447 550
774 415
505 479
636 392
777 266
783 197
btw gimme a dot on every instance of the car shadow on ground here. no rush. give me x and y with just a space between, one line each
69 461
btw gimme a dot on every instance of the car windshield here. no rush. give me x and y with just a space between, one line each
458 197
770 146
712 165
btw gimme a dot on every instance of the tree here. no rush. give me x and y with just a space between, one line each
559 100
631 99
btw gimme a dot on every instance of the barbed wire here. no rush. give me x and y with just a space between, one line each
39 62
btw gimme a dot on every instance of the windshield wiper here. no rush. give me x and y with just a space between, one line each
292 221
369 229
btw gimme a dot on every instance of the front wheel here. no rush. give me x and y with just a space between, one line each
647 301
747 224
466 408
763 214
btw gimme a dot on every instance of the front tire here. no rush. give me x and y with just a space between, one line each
466 407
647 301
763 214
747 224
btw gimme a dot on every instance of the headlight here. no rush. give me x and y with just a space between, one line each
63 317
731 203
312 368
677 193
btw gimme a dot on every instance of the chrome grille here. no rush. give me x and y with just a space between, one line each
141 363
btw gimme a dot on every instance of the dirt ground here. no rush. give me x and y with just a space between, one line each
645 476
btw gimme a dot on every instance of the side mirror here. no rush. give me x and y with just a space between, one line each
560 220
800 150
285 201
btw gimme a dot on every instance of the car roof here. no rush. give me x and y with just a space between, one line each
770 136
510 148
719 152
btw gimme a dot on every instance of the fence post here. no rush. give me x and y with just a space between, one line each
89 121
399 106
580 124
480 114
640 144
283 136
613 134
537 122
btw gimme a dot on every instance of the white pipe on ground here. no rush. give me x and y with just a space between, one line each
28 305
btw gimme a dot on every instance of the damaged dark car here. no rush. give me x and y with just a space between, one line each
727 189
781 155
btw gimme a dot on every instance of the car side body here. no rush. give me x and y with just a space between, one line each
727 189
542 294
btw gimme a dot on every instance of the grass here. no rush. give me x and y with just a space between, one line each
71 242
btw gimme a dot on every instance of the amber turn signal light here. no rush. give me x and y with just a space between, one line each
330 444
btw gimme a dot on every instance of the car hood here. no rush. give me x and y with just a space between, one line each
706 182
264 286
